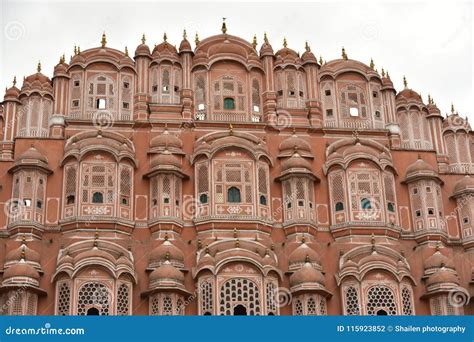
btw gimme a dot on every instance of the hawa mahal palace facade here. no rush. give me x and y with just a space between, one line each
231 179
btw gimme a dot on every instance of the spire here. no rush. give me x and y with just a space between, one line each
14 80
429 99
126 51
231 129
372 64
306 47
143 38
103 42
344 55
254 42
265 38
405 83
196 39
38 68
75 49
383 72
224 26
185 35
452 108
285 43
321 60
62 59
96 237
165 37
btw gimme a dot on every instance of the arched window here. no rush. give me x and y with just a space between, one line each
97 197
353 102
233 195
200 97
229 103
381 301
240 296
203 198
101 95
93 299
365 203
263 200
339 206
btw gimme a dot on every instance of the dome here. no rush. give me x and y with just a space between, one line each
266 49
32 154
375 258
464 185
23 252
455 122
12 92
387 82
166 139
420 166
142 49
165 159
165 50
166 271
166 250
420 169
307 274
303 253
409 95
308 56
185 46
293 141
438 260
443 276
21 269
67 259
295 162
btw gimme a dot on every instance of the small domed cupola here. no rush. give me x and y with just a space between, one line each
142 49
185 46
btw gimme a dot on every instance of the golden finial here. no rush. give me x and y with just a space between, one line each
23 256
303 239
103 42
196 39
78 49
235 233
437 246
321 60
38 68
429 99
224 26
344 55
166 236
254 42
14 84
452 108
237 243
231 129
23 239
126 51
75 50
143 38
306 47
383 72
165 37
265 38
306 259
388 75
372 64
62 59
167 256
405 83
185 35
285 43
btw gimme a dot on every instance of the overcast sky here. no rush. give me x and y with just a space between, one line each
431 43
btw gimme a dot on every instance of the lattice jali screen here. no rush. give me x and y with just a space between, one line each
123 300
337 196
380 297
270 295
415 131
93 295
127 96
366 199
63 298
206 297
298 307
239 291
407 301
390 197
166 304
351 300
